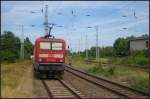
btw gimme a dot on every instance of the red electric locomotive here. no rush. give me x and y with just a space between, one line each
49 56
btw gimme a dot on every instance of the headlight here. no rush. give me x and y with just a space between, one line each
43 55
58 55
40 60
61 60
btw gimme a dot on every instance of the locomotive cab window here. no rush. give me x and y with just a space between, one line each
45 45
57 46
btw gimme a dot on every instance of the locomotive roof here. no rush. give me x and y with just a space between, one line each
49 39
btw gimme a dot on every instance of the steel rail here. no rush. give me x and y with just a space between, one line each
108 81
47 89
73 92
76 96
95 83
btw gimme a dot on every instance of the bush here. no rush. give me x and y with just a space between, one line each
141 61
107 51
143 53
137 58
10 47
108 71
8 56
117 60
111 70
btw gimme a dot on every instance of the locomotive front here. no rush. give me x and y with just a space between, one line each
49 56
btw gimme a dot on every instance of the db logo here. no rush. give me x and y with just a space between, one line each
50 55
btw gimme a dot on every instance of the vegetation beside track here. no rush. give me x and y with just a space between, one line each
136 79
136 59
120 53
132 61
13 79
10 47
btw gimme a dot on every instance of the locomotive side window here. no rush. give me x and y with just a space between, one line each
57 46
45 45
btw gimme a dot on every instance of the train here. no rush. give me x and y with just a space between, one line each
49 56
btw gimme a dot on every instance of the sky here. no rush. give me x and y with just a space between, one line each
107 15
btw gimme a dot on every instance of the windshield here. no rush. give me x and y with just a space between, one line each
51 45
57 46
45 45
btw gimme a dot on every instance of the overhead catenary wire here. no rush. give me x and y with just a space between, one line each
55 10
118 10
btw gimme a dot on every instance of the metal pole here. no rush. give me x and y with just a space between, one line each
86 45
79 46
97 49
46 19
22 44
81 42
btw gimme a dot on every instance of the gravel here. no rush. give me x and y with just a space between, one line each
88 89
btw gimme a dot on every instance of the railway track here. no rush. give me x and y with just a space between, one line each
59 89
112 86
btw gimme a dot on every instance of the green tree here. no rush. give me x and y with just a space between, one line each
121 47
10 47
130 37
92 52
107 51
28 48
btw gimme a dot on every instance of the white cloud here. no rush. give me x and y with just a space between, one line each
15 12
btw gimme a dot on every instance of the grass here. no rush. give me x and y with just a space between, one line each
134 60
102 71
11 75
135 79
104 60
79 63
